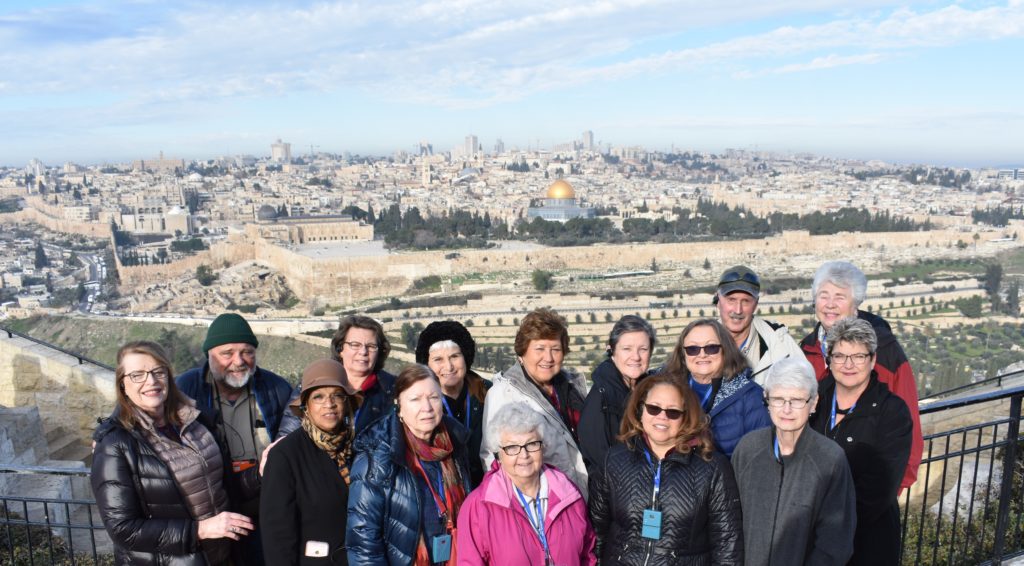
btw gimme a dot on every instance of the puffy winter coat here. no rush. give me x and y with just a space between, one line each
876 437
562 452
602 414
701 523
893 369
141 504
271 390
492 516
737 409
385 499
476 389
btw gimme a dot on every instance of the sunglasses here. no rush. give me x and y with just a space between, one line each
734 276
671 414
710 349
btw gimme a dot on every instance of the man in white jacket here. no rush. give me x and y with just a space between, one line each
763 342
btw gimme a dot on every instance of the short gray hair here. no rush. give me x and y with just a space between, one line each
852 331
631 323
792 373
842 274
442 344
514 418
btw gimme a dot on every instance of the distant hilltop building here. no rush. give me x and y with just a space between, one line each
160 165
281 152
560 204
271 225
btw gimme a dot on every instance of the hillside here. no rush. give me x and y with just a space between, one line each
100 340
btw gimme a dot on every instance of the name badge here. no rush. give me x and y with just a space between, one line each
441 548
651 525
317 549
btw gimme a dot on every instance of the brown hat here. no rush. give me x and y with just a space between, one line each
321 373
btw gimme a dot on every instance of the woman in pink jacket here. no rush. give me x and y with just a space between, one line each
524 513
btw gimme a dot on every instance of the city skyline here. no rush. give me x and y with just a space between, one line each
926 81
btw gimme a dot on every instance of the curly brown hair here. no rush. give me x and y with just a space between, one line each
695 433
542 324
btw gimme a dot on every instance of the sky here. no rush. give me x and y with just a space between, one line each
929 82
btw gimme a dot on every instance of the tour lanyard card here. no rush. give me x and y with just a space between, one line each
651 525
441 547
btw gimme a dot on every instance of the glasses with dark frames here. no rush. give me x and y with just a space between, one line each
159 374
710 349
671 414
515 449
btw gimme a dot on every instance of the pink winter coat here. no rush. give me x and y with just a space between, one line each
493 529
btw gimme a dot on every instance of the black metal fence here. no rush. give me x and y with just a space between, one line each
967 506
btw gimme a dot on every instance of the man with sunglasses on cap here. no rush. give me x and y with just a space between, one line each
762 342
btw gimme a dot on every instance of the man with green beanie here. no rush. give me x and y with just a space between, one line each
246 402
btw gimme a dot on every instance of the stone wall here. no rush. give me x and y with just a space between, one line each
69 396
348 279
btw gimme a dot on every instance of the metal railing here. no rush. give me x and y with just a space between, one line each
967 506
81 359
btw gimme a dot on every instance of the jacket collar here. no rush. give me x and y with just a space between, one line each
499 490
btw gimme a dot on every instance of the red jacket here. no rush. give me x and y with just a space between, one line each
893 369
493 529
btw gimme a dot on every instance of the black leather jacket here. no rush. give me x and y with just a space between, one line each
701 521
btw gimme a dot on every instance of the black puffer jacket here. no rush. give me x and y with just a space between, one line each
602 414
701 522
142 507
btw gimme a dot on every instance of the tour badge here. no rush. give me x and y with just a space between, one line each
652 524
441 548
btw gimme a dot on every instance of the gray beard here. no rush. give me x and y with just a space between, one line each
231 381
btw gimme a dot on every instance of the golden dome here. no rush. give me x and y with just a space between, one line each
561 189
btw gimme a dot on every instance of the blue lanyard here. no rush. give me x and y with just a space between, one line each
832 417
448 409
538 525
439 499
778 456
706 396
657 476
745 340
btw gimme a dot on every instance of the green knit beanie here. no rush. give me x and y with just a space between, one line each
229 328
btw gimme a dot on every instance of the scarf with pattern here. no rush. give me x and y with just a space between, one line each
439 449
336 445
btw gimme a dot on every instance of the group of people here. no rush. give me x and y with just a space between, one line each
743 448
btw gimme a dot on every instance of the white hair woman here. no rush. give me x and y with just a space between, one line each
524 512
874 428
795 485
838 290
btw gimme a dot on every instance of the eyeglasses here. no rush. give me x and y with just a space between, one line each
515 449
359 346
857 359
321 399
670 414
734 276
710 349
779 402
159 374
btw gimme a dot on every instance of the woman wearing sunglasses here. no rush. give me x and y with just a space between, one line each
718 374
524 512
795 485
664 497
874 428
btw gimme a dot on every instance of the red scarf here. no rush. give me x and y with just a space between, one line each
439 449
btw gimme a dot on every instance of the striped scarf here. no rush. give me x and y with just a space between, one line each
336 445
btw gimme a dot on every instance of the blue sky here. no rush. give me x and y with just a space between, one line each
934 82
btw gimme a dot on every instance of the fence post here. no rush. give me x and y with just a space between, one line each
1006 485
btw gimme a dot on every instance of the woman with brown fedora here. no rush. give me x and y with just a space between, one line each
305 482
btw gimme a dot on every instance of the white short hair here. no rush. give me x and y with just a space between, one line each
514 418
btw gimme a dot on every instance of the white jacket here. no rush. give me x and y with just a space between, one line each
562 452
775 343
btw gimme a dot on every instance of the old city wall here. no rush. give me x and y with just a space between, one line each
57 224
69 396
348 279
